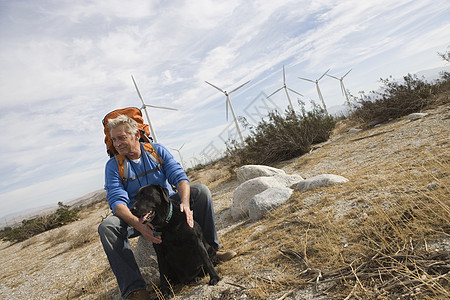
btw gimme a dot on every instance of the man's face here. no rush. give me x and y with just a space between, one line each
125 143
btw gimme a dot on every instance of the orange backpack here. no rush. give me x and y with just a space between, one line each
121 160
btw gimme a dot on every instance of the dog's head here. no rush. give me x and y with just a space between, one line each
152 203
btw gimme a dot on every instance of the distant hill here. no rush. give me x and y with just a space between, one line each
16 218
433 74
88 198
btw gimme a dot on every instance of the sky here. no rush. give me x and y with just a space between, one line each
66 64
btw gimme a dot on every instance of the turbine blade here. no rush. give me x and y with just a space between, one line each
307 79
215 86
275 92
295 92
346 74
333 76
162 107
137 90
239 87
323 75
284 76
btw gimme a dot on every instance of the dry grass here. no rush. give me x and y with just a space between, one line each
214 176
83 237
398 232
385 233
95 284
57 237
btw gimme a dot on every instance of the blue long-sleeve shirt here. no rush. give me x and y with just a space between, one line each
171 173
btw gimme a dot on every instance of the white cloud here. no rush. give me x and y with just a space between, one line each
80 10
66 64
205 14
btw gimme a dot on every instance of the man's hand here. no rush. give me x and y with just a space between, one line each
148 231
189 214
184 191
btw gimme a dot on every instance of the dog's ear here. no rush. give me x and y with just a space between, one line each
164 193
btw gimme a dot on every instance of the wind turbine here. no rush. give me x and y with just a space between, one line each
228 103
343 90
179 153
144 106
318 89
286 90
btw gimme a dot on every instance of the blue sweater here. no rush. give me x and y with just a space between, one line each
171 173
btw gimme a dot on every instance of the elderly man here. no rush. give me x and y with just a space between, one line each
115 230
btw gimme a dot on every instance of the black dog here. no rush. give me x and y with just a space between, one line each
183 251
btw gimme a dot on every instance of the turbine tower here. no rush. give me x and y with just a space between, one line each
179 153
343 90
144 106
318 89
286 90
228 103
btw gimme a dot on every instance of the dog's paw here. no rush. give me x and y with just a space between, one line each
214 281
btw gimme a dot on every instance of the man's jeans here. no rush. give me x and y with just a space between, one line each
114 234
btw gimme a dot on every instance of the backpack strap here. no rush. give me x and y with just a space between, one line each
123 164
150 149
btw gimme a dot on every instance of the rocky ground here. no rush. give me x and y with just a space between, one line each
69 263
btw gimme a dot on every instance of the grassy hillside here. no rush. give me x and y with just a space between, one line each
385 234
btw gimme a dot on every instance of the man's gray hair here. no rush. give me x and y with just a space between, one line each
131 126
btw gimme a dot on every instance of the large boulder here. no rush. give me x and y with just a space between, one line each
245 192
145 256
248 172
268 200
320 181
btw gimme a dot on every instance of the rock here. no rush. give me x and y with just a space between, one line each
144 253
319 181
248 172
145 256
354 130
268 200
245 192
415 116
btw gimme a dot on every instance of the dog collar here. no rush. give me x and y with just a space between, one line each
170 213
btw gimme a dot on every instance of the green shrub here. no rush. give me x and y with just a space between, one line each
283 137
65 214
29 228
397 99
